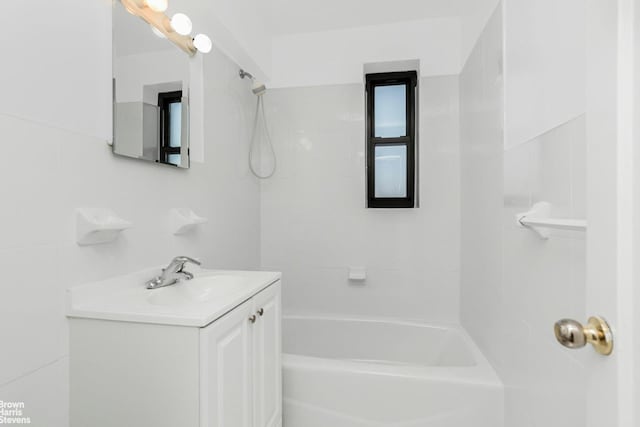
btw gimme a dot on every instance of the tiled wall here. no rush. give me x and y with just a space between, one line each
514 285
56 159
545 64
315 224
543 281
481 162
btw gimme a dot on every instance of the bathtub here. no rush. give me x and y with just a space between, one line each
357 372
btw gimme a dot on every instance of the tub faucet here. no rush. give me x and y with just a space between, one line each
172 273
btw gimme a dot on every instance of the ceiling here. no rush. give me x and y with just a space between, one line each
302 16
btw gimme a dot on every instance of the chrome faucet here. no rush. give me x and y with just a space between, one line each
172 273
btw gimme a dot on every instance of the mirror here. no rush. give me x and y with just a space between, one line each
150 93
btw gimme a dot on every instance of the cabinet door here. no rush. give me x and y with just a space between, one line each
226 370
267 346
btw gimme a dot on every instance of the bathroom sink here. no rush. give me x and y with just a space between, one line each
196 302
196 291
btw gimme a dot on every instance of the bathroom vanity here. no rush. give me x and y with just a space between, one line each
201 353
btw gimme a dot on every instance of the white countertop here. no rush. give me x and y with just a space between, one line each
196 303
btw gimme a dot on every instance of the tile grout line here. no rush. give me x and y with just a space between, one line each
51 126
53 362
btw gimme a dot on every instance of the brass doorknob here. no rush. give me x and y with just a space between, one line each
571 334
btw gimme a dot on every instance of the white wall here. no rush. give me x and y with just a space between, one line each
134 72
53 138
247 25
315 224
545 62
337 56
47 76
473 19
312 49
481 186
543 281
514 286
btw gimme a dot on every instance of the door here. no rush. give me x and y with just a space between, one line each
611 179
226 370
267 359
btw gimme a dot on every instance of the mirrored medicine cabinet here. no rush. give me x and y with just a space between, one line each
150 93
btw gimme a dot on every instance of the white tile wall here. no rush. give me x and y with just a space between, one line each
56 159
545 61
514 286
315 224
481 185
544 281
51 74
44 393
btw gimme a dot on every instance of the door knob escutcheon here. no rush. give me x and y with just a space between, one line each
571 334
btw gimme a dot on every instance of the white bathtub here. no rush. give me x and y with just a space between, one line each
354 372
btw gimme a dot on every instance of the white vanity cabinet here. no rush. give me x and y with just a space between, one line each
241 368
225 373
267 360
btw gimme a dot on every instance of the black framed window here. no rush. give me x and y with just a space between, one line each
391 139
170 104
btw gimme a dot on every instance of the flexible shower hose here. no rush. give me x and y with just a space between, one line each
260 113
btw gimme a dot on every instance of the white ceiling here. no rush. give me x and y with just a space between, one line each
303 16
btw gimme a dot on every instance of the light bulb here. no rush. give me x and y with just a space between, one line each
157 5
181 24
157 32
202 43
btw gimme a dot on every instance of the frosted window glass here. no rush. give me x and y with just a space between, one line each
175 124
390 111
174 159
391 171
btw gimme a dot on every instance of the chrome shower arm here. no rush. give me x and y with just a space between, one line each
243 74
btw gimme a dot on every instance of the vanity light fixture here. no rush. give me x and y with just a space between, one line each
203 43
157 32
181 24
177 29
157 5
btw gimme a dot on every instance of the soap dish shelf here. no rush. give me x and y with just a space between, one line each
183 220
539 220
96 226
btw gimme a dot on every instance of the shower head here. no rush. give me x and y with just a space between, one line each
259 89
